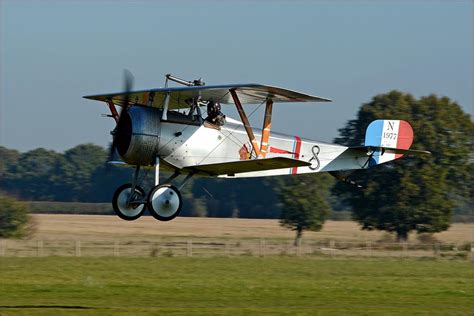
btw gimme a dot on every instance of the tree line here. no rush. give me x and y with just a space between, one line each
81 174
414 193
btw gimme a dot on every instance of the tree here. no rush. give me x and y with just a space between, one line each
413 193
34 175
77 168
237 197
304 200
8 157
14 218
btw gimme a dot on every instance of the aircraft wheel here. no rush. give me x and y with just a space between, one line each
164 202
119 202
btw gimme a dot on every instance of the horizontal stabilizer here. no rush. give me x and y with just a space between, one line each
231 168
389 150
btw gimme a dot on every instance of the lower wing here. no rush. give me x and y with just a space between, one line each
231 168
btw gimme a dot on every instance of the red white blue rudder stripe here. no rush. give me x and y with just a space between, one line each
388 134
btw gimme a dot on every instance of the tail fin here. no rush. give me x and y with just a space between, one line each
390 139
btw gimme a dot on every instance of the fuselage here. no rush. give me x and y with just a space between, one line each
184 145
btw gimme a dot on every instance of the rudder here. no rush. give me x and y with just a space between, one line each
390 134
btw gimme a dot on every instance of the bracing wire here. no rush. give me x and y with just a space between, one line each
230 134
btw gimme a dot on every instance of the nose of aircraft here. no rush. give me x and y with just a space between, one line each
138 135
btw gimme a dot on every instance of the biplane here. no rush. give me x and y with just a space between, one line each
182 129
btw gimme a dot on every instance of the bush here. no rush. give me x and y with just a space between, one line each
340 216
46 207
463 218
427 238
14 218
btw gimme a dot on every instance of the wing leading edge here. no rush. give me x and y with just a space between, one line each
248 94
231 168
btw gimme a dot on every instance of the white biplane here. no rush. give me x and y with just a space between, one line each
166 127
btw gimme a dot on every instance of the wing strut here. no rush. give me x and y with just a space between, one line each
246 123
267 125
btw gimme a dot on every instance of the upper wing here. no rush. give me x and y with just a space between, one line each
248 94
231 168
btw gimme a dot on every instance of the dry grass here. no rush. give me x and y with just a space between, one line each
88 227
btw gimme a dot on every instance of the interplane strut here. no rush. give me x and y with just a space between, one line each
267 124
246 123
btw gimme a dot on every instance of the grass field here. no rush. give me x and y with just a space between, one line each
86 235
234 286
101 226
313 284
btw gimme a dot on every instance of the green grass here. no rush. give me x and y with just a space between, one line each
234 286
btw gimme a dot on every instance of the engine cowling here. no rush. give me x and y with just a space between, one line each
138 135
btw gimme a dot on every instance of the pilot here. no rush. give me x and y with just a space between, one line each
215 116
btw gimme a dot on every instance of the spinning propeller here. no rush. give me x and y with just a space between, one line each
127 87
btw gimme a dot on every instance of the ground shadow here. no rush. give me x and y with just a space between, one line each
47 306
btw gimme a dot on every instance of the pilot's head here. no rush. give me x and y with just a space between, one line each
213 106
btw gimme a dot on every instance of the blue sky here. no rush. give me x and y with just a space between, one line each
54 53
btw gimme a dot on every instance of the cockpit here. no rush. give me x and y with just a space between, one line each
213 118
194 116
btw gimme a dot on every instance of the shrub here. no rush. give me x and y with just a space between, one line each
427 238
340 216
47 207
14 218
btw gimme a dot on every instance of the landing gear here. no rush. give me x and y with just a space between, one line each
126 205
164 202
